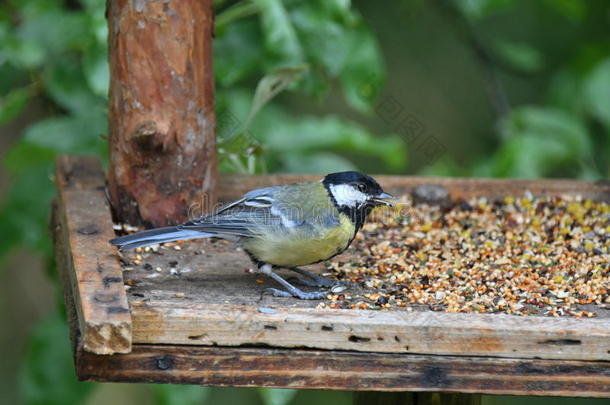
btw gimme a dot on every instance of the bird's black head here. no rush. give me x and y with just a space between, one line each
355 194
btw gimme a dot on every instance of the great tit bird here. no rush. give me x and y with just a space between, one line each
284 226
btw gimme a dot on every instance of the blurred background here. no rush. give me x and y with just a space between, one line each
487 88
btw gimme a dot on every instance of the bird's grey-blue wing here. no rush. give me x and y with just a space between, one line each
243 217
279 209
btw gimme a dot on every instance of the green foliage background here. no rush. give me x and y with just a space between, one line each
507 88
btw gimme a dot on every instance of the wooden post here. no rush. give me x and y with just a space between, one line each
161 109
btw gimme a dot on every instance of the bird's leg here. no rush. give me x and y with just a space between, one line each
314 279
292 291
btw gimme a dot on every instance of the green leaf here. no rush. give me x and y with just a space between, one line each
55 30
324 37
94 4
573 9
446 167
315 84
13 103
364 73
68 87
238 150
549 123
529 157
597 93
27 54
270 86
479 9
283 136
24 212
236 12
342 7
280 37
542 142
24 156
95 14
96 69
48 376
168 394
564 89
7 242
238 100
323 397
44 32
520 56
276 396
11 76
232 395
238 52
288 143
321 162
76 134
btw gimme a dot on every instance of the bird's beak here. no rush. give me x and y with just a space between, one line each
381 199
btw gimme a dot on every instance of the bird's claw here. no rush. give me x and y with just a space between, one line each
315 295
318 282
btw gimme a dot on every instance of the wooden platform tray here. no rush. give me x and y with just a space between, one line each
193 315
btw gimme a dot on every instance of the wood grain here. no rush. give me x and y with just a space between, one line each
202 323
208 300
298 368
201 295
161 108
82 229
209 325
234 186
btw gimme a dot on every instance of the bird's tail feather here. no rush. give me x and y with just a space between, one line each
157 235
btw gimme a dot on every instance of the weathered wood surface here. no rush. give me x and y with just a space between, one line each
186 321
200 295
161 108
203 323
82 227
234 186
204 297
298 368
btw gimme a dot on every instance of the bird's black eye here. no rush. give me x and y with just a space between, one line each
362 187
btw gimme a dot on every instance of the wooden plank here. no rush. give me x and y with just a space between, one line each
62 264
83 227
194 302
203 323
214 299
200 295
206 297
298 368
234 186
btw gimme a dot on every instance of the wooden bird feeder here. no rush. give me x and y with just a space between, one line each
211 325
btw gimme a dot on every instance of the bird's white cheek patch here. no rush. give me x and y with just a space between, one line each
347 195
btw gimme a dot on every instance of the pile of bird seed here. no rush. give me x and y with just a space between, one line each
524 256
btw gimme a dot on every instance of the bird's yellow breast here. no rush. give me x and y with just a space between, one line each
302 246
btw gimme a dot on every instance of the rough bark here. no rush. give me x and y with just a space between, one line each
161 109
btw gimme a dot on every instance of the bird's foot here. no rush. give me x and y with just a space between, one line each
295 292
292 291
335 286
318 282
314 280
